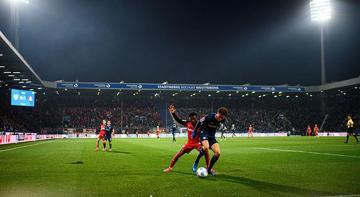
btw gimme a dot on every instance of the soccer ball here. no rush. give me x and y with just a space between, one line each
201 172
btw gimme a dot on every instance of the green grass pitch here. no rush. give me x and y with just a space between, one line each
282 166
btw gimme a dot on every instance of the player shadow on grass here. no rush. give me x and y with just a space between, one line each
76 162
270 188
120 152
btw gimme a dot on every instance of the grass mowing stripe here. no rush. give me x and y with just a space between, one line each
308 152
4 150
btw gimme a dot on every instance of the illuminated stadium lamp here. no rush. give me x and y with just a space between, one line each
321 12
11 75
16 72
57 92
253 92
217 92
1 54
259 96
31 89
23 86
2 66
230 94
287 96
7 72
275 96
24 79
39 88
243 96
209 95
16 79
296 96
246 94
121 81
237 92
165 82
21 82
31 81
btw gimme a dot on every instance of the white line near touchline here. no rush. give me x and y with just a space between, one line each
308 152
4 150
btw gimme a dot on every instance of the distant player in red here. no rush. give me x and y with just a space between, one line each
101 136
250 131
191 144
158 132
316 130
308 130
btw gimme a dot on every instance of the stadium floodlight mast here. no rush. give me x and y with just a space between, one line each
321 13
15 19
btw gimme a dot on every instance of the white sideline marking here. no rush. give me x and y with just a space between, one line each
4 150
309 152
351 195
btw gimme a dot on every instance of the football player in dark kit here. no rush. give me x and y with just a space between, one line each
109 132
173 131
207 127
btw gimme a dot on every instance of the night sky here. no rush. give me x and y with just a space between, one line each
186 41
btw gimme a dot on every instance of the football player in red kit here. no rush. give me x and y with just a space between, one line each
308 130
191 144
101 136
250 131
316 130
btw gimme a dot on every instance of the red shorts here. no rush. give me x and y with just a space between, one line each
102 135
188 147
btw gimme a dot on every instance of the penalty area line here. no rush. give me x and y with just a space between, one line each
9 149
307 152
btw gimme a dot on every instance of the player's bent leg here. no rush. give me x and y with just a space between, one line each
196 163
174 160
205 144
104 144
97 144
216 149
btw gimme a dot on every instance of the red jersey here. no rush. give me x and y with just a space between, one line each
190 129
250 129
316 129
309 130
102 127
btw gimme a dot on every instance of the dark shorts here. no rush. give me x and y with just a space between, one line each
212 140
350 131
108 138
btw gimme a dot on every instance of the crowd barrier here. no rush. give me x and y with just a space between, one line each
14 138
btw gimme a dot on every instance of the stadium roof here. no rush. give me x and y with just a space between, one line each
15 72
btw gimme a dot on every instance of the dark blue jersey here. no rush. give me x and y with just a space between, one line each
109 129
173 128
208 125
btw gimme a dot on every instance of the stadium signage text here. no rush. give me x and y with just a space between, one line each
177 87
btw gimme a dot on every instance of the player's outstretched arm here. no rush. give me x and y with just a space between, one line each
172 111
